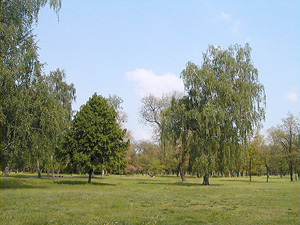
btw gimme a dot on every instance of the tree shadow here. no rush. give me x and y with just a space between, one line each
183 184
79 182
194 184
18 176
244 181
17 184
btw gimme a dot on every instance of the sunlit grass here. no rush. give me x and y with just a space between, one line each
26 199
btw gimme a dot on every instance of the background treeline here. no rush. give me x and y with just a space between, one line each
276 153
212 129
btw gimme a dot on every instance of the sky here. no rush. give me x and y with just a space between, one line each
132 48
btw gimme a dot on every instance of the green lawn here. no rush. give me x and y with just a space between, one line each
26 199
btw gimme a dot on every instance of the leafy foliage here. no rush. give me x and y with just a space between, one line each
224 105
95 139
35 108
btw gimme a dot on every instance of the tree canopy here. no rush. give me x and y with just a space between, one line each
95 139
35 107
225 103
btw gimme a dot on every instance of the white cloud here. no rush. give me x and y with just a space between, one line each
293 95
234 25
146 81
225 16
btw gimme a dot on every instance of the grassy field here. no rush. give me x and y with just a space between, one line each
26 199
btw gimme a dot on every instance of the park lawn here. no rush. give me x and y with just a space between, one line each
25 199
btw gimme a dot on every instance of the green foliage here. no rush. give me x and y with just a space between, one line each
225 103
176 132
34 112
287 135
95 139
204 164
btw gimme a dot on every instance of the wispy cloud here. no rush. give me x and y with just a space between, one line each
225 16
293 95
146 81
233 24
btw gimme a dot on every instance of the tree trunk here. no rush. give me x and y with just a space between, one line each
182 175
291 171
90 175
53 174
250 162
58 171
268 173
102 175
38 168
206 179
6 171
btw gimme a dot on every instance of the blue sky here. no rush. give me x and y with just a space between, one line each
130 48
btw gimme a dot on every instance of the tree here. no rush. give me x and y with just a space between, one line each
176 132
287 135
266 157
151 113
226 103
95 138
21 78
116 101
257 153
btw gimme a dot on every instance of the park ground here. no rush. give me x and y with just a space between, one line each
25 199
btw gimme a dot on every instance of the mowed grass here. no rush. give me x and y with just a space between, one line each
26 199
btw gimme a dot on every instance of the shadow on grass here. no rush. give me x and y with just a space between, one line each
17 184
244 181
18 176
184 184
79 182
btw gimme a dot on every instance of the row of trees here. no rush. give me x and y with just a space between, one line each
276 153
209 129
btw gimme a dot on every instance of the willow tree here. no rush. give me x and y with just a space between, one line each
21 78
227 102
176 132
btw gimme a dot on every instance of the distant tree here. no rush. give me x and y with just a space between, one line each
266 157
287 135
278 163
151 113
116 101
95 138
149 158
256 155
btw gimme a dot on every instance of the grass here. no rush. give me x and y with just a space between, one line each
26 199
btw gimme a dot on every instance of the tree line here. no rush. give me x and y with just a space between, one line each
275 153
211 129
